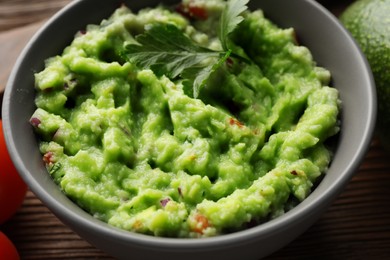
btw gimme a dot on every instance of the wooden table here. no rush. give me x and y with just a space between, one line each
356 226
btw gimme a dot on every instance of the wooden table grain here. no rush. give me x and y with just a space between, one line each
355 226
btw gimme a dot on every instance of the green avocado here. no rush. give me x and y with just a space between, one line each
369 23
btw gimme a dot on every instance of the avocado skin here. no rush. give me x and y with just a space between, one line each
369 23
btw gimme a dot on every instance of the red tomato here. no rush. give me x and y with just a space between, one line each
7 249
12 188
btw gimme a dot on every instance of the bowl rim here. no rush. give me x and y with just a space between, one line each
275 225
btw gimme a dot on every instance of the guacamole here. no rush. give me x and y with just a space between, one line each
135 149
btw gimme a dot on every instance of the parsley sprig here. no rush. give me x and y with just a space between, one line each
166 50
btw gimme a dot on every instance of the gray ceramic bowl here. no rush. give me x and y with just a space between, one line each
332 48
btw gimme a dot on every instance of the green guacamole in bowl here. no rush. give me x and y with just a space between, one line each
136 148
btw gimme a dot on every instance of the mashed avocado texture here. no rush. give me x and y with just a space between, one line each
136 150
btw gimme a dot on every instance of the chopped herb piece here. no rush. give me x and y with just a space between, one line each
55 168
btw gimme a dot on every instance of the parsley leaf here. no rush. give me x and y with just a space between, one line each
166 50
230 19
199 75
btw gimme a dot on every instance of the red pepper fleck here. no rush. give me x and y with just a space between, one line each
198 12
34 121
164 202
48 157
229 62
192 11
233 121
294 172
203 223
